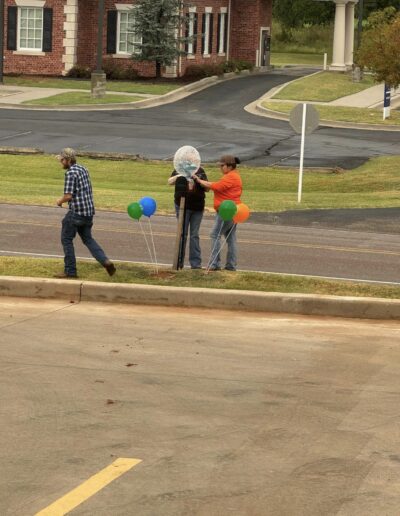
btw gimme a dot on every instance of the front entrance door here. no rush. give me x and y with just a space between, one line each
265 47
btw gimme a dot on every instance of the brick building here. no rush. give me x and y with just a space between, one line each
49 37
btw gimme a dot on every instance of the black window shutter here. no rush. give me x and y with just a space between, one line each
219 32
47 30
195 30
203 34
12 28
211 28
112 32
226 34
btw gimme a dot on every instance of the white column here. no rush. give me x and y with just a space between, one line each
70 41
338 61
349 42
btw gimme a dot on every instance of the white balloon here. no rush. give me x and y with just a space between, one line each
187 161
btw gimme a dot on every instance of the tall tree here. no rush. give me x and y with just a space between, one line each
295 13
160 23
380 47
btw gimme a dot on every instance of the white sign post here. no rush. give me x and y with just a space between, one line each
303 140
304 119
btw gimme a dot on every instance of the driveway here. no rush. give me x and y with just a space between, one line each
242 414
213 120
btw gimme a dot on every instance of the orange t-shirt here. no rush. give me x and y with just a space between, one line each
228 188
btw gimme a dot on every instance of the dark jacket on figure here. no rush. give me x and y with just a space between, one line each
196 198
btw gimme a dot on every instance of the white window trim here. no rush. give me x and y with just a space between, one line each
122 8
23 50
30 3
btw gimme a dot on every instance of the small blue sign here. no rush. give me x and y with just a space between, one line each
386 102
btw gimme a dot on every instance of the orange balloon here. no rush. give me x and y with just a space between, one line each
242 214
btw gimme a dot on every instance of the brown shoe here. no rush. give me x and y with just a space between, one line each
63 275
110 268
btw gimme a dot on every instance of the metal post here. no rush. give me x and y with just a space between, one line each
98 76
100 38
1 40
303 138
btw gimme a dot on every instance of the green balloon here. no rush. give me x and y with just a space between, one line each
227 210
135 210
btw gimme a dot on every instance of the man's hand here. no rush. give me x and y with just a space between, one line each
60 202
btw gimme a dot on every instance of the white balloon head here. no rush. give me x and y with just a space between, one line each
187 161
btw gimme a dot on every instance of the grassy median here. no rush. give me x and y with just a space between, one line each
77 98
340 113
323 87
38 180
140 274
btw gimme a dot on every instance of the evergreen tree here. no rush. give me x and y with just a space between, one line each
160 22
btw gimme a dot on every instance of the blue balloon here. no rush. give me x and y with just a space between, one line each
148 205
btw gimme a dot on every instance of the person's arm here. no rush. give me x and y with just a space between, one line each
172 180
205 184
68 189
63 199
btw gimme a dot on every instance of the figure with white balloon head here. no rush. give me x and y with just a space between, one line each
187 165
227 193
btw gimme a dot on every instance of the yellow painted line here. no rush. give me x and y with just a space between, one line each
89 488
269 243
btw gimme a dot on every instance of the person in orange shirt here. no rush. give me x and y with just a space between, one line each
229 187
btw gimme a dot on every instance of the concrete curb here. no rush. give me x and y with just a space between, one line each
300 304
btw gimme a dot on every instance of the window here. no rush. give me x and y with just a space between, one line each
30 28
127 38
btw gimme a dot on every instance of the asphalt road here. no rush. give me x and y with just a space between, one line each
212 120
248 414
326 251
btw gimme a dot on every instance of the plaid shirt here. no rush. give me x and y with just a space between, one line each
77 183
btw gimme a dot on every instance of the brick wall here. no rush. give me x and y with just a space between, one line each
247 16
48 64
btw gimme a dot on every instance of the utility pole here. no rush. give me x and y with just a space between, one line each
1 40
357 72
98 76
360 22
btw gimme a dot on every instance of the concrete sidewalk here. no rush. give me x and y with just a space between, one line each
369 98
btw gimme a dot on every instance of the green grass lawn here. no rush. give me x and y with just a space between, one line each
323 87
77 98
38 179
341 114
284 58
140 274
146 87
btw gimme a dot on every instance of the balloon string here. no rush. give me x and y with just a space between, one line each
145 239
154 247
212 257
222 246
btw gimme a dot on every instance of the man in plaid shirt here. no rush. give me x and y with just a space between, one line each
79 219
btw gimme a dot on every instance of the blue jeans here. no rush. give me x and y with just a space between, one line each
192 221
72 224
228 230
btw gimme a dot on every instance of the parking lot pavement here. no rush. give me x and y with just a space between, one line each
229 413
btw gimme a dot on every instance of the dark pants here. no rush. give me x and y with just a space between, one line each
71 225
